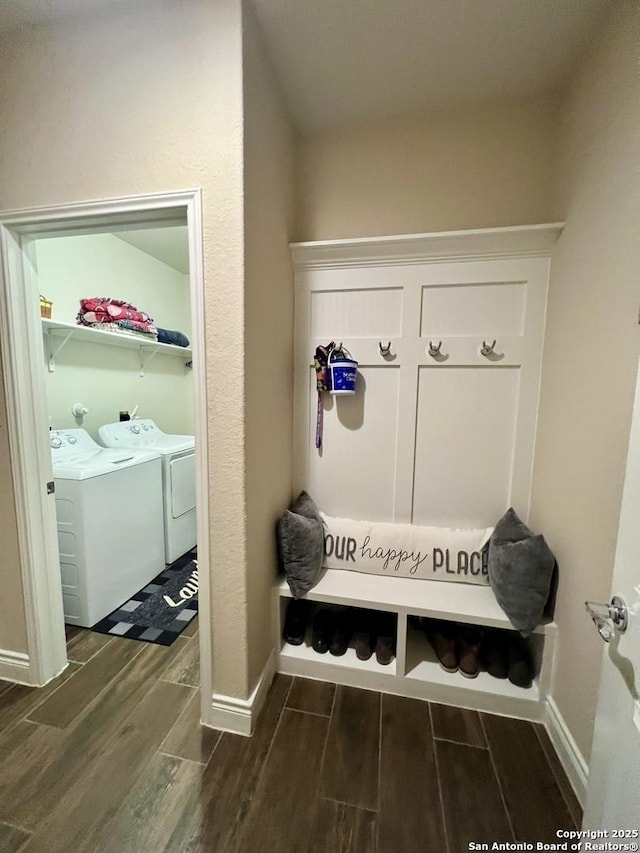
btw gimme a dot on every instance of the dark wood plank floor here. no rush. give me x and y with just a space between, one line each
110 758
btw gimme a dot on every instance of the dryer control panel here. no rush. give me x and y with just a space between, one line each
144 433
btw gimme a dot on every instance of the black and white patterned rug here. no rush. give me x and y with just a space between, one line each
162 610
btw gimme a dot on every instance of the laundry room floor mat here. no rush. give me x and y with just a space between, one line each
161 610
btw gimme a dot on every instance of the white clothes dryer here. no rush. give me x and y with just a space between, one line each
178 476
110 525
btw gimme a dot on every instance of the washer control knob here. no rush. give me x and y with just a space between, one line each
135 429
72 439
56 442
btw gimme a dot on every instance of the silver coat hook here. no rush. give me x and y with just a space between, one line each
384 350
487 349
434 350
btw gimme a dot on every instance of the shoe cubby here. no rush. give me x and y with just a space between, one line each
340 626
415 670
423 666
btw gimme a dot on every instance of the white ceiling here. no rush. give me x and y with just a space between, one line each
351 60
167 244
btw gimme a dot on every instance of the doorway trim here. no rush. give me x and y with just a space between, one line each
30 458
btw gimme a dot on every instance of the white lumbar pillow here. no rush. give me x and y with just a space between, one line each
406 550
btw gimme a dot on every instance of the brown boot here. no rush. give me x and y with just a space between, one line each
469 639
442 636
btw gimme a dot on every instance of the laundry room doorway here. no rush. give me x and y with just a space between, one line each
103 353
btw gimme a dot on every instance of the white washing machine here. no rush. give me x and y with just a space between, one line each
110 524
178 477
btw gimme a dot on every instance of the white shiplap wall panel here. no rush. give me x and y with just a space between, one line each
476 309
465 436
338 314
355 473
433 440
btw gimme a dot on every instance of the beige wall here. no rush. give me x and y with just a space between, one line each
147 97
268 163
477 167
591 353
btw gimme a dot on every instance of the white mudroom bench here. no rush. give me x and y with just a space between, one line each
415 672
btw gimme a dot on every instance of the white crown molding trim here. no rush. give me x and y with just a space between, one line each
116 213
567 750
15 666
485 243
238 716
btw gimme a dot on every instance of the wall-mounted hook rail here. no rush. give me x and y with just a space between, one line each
434 351
384 350
488 349
54 355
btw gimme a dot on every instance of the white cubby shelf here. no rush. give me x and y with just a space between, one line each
415 672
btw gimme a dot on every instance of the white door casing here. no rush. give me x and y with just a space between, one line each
23 358
21 342
613 794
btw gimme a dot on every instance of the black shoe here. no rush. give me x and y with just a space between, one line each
321 631
295 623
341 633
363 635
386 642
520 661
494 655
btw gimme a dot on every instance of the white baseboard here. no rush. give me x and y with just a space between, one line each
14 666
565 746
238 716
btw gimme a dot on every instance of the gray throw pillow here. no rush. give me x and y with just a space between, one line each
521 566
304 505
301 545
